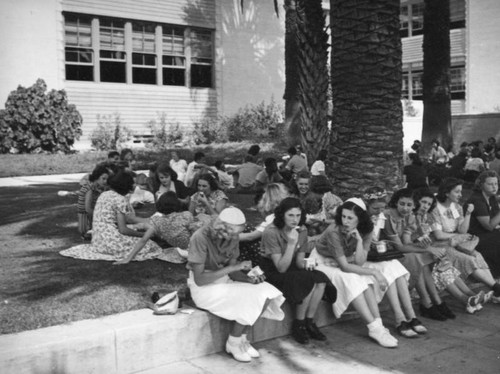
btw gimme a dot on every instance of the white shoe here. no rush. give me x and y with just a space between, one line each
252 352
237 350
383 337
473 304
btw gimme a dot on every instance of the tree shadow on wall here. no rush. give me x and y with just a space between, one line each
249 47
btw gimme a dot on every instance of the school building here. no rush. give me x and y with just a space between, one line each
195 58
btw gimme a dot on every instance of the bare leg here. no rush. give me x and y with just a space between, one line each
463 287
425 298
238 329
431 287
484 276
405 298
392 295
457 293
372 302
363 309
300 310
317 294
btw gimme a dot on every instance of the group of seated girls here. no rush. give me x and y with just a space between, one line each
433 233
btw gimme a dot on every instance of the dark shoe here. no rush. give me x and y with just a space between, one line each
445 311
417 326
299 332
313 330
404 329
432 313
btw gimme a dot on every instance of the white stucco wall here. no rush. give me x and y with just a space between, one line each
483 65
35 24
251 53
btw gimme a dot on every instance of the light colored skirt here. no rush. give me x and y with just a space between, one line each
391 270
238 301
349 285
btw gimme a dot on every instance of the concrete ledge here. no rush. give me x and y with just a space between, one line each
129 342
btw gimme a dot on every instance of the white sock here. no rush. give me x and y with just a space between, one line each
234 340
375 324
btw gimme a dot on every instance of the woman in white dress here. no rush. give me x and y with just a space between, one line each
219 284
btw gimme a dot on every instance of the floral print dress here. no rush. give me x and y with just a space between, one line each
108 243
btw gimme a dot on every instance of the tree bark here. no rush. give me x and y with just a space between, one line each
366 142
436 76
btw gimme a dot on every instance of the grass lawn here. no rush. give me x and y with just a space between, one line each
84 162
40 288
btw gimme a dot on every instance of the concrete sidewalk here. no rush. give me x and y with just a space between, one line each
468 344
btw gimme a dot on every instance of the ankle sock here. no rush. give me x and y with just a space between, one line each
377 322
233 340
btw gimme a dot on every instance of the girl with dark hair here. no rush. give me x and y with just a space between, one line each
396 274
167 179
485 219
173 225
112 239
451 226
284 246
87 198
209 199
341 253
415 174
444 274
126 158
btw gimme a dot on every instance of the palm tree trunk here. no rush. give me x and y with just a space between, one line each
366 143
306 57
436 77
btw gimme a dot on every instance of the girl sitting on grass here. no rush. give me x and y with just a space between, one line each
173 225
87 198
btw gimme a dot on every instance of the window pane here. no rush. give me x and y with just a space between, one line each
173 41
112 35
457 79
201 44
416 82
143 37
145 76
417 18
173 61
83 56
113 71
174 77
143 59
79 73
77 31
112 55
404 89
201 76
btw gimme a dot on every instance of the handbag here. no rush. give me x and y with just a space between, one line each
465 244
392 253
168 304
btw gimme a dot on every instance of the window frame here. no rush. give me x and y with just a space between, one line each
126 51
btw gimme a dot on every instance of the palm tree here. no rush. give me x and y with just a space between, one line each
366 146
436 76
306 71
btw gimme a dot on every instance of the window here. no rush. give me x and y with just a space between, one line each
457 83
104 49
411 20
78 48
416 85
112 50
173 60
405 87
201 58
144 54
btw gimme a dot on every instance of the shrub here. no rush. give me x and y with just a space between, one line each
259 122
165 133
109 133
209 130
34 121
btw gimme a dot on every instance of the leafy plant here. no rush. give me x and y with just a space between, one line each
109 133
255 122
35 121
209 130
165 133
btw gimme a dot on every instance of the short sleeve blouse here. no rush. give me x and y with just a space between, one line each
395 225
213 199
214 253
447 219
335 243
274 241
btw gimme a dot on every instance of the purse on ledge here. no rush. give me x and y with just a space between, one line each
391 253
